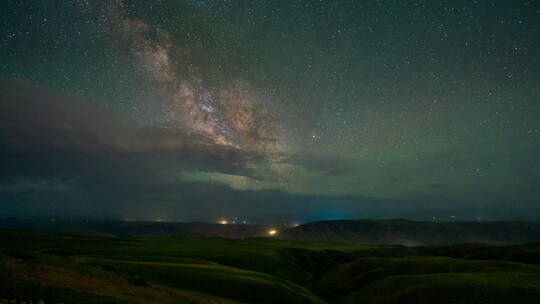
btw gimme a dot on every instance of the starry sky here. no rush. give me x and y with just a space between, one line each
270 111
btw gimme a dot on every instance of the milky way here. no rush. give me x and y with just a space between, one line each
229 113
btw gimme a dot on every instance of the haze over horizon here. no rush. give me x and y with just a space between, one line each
184 110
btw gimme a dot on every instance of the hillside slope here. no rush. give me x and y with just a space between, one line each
432 280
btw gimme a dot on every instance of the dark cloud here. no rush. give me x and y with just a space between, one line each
65 156
50 136
189 201
332 165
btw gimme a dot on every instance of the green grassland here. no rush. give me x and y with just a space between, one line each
72 268
425 279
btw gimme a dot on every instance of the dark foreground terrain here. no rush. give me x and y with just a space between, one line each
77 268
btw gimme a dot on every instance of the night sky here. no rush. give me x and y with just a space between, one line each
192 110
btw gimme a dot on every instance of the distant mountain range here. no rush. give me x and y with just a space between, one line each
403 232
413 233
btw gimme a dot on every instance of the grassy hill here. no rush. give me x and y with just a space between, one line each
74 268
451 288
523 253
27 276
397 279
249 271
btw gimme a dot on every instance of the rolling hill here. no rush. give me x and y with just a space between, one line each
92 269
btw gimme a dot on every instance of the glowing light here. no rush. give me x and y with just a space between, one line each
223 222
272 232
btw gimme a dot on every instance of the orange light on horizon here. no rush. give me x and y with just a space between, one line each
223 222
272 232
